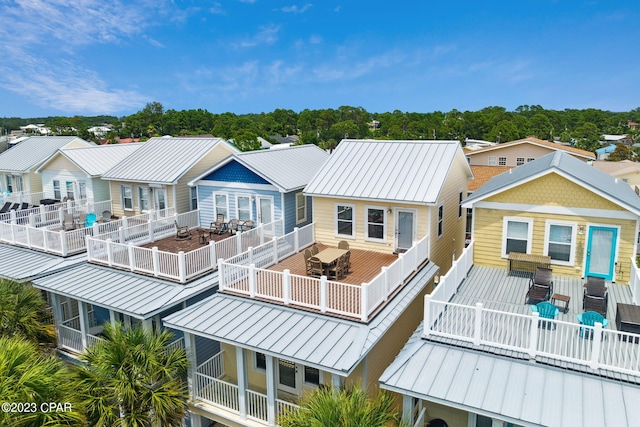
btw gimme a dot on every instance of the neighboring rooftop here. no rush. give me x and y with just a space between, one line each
617 168
540 142
34 150
482 174
97 160
23 264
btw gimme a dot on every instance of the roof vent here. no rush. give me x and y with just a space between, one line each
616 180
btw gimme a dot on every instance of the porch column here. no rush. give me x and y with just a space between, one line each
407 410
112 318
147 324
196 420
57 313
241 362
190 349
337 381
83 313
272 390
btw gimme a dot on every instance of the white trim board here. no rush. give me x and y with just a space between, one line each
238 185
560 210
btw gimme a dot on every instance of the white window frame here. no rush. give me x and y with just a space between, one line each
384 223
320 376
141 188
9 183
460 200
243 196
440 222
502 161
193 198
123 197
492 161
227 216
82 190
69 189
18 183
57 193
353 220
519 161
301 206
505 222
574 233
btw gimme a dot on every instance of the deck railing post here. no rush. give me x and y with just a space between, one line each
323 294
387 285
477 330
86 245
125 222
27 229
252 280
275 250
43 214
597 344
296 240
250 254
109 254
32 220
212 254
156 260
12 214
364 302
152 229
401 263
221 277
45 242
182 271
238 243
427 315
286 286
13 233
61 214
132 262
261 233
121 237
533 335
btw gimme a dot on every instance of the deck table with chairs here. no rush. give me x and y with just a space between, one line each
330 262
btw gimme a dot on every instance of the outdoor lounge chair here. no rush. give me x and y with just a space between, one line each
5 207
14 207
219 226
545 310
182 232
597 304
24 206
595 287
540 286
589 318
232 226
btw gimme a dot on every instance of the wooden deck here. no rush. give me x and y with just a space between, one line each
173 245
365 265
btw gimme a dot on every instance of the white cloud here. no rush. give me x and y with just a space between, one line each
295 9
345 69
265 35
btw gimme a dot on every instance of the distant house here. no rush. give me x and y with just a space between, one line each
516 153
625 170
263 186
18 165
75 173
603 153
155 177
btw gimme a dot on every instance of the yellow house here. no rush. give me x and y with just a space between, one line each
156 176
386 195
583 219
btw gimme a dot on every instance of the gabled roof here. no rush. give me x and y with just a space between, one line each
23 264
401 171
130 293
286 168
94 161
617 168
539 142
326 342
577 171
607 149
164 160
516 391
482 174
29 153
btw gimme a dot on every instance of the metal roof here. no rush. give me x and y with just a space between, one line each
565 165
130 293
95 161
286 168
403 171
512 390
164 160
23 264
32 151
536 141
326 342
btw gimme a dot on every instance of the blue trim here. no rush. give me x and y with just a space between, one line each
609 275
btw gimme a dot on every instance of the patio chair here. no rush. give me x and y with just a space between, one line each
346 262
232 226
307 265
218 226
595 287
589 318
337 271
5 207
247 225
23 206
315 267
343 244
545 310
68 223
106 216
90 220
182 232
314 250
82 220
597 304
540 286
14 207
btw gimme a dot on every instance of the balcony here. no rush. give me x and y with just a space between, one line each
483 308
151 248
274 272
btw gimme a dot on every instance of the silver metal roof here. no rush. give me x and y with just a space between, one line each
23 264
512 390
133 294
403 171
164 160
95 161
577 171
32 151
286 168
326 342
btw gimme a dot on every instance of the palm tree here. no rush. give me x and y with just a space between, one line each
327 406
23 312
32 378
133 379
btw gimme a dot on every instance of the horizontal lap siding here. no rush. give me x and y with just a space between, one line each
205 201
63 176
290 218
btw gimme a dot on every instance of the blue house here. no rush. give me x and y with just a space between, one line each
263 186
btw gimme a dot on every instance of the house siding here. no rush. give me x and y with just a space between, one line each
206 199
290 211
512 153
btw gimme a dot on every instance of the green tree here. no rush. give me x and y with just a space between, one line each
502 132
327 406
28 376
23 312
622 152
133 379
246 141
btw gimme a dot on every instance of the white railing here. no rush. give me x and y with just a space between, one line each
70 338
174 345
93 340
634 281
256 406
213 367
282 407
48 215
217 392
246 273
21 197
420 419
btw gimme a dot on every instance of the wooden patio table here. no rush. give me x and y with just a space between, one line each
329 256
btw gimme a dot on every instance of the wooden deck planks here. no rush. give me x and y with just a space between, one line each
170 244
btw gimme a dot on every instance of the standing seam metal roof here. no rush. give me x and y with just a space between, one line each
404 171
163 160
23 264
328 342
34 150
97 160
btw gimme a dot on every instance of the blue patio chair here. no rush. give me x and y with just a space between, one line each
90 219
590 318
545 310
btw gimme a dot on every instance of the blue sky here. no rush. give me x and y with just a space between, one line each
90 57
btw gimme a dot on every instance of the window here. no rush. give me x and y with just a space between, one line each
516 235
9 183
17 181
301 207
243 207
126 197
260 361
344 220
193 191
530 159
311 375
460 195
220 205
559 238
56 190
502 161
376 222
519 161
143 198
440 220
492 161
69 188
82 190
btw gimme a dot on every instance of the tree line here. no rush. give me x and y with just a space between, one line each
326 127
